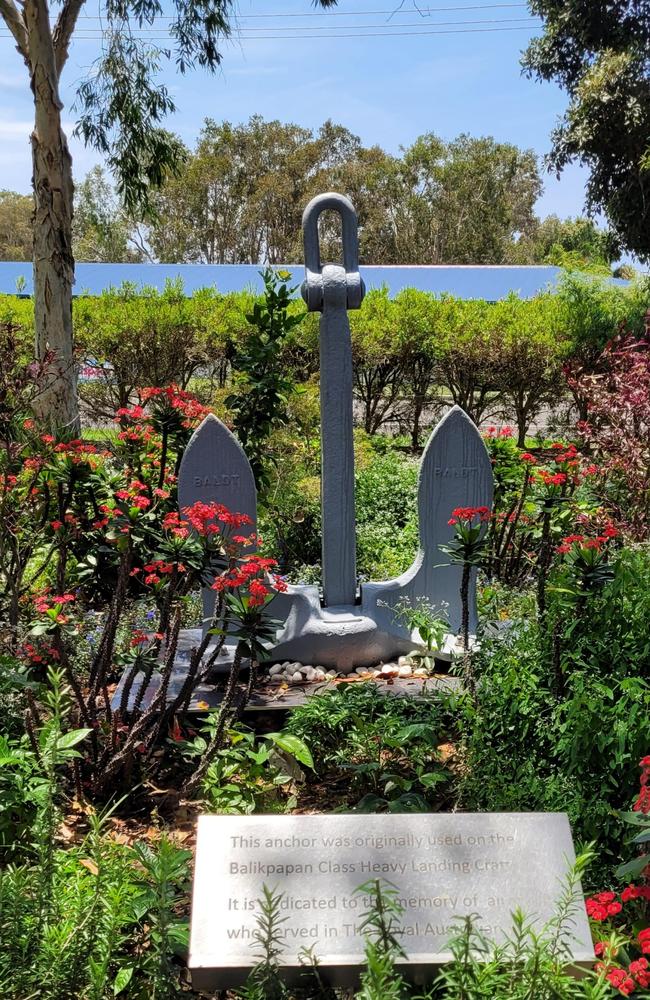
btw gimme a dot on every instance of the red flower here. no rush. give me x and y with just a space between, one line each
258 592
643 938
469 513
642 803
615 977
552 479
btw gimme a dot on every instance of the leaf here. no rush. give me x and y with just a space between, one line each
634 819
293 745
415 731
122 979
68 740
370 803
90 865
635 867
433 778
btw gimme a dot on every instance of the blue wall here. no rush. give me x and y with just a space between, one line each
463 282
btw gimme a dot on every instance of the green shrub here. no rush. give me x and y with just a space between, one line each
531 746
387 746
387 523
149 338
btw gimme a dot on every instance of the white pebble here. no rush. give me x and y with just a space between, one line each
404 671
297 677
276 679
277 668
404 661
319 674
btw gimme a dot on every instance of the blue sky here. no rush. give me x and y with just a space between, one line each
387 89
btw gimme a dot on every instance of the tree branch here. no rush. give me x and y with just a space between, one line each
14 21
63 29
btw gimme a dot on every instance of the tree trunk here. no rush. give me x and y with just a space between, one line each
52 229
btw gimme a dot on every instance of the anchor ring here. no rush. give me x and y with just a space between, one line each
316 284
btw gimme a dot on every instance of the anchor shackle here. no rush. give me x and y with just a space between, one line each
331 284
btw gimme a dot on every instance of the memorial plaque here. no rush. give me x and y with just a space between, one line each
444 866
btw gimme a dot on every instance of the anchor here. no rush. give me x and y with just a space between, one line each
349 627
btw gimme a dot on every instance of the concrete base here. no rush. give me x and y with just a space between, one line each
349 636
269 697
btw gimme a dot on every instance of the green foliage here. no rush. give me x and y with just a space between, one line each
531 747
101 229
265 982
388 746
16 226
251 774
533 963
241 192
97 923
602 64
95 920
148 338
261 389
428 622
575 244
409 352
380 979
386 512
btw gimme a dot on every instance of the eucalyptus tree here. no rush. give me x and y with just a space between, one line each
241 193
15 226
122 104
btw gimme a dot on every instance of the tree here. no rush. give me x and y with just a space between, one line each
598 52
242 191
469 198
577 244
418 316
532 342
240 196
101 229
122 105
15 225
469 356
378 360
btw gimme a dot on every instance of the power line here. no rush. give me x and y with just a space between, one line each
255 32
425 12
369 34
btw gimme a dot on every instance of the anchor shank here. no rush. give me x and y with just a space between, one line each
337 458
332 289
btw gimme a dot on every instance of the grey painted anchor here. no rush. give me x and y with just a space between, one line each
350 628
